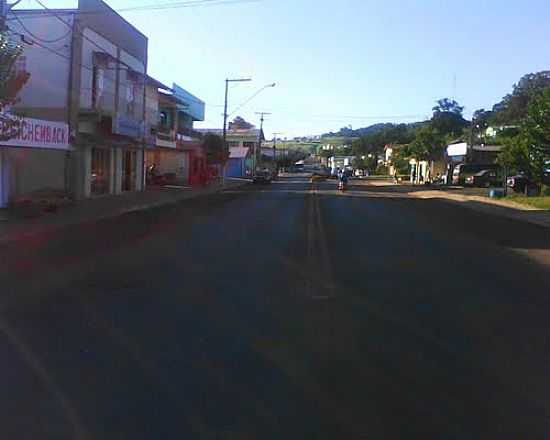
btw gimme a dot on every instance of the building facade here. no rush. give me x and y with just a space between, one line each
92 79
177 156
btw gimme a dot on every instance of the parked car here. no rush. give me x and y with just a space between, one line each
462 171
521 181
484 179
263 177
320 171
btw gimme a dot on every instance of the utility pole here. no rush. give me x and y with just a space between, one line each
3 14
4 8
259 145
275 148
227 81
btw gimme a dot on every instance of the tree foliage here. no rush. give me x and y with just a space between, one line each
529 151
428 144
512 109
215 149
446 105
447 118
239 123
11 82
375 142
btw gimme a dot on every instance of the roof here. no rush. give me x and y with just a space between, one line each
488 148
238 152
155 82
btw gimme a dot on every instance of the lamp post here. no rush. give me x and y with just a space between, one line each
227 81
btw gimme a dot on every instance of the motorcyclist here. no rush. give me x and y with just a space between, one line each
342 178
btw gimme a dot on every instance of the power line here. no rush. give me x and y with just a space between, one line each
36 37
81 33
166 6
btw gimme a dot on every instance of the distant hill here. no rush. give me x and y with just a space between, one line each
371 129
349 132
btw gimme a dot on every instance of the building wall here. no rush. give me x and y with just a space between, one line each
107 99
45 95
34 170
121 73
234 168
151 114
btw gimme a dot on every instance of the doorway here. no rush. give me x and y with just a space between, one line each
129 161
101 170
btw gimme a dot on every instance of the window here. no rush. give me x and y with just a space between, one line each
98 86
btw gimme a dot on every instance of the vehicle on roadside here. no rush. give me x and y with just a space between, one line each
520 182
262 177
484 179
464 170
320 171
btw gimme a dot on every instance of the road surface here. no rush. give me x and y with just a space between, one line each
288 311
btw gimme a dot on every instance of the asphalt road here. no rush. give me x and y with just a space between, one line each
288 311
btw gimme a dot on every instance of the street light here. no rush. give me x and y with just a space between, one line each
227 81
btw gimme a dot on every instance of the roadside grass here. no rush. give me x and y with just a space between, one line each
542 202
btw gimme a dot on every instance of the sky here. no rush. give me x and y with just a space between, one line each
341 63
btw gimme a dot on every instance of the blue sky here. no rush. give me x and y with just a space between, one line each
343 62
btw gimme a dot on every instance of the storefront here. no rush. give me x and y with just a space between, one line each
33 159
167 164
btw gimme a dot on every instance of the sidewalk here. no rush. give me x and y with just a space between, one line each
13 228
471 199
505 208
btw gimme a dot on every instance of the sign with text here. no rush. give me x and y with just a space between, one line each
33 133
127 126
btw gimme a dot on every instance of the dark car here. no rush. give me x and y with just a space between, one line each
521 181
263 177
484 179
464 170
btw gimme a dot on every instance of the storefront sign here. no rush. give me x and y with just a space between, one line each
127 126
457 149
34 133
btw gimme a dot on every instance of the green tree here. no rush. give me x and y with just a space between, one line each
535 129
428 144
515 155
529 151
358 163
11 82
215 149
447 118
513 108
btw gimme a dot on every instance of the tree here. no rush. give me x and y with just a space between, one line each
215 149
529 151
428 144
447 118
535 130
240 124
358 163
447 105
11 82
512 109
515 155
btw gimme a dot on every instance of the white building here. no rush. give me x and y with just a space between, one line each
93 80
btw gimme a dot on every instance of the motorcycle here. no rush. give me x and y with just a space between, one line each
342 185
